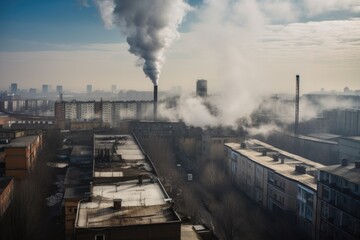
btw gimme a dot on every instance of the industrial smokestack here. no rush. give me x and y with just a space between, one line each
297 99
155 101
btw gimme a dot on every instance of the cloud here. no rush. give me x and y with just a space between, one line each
316 7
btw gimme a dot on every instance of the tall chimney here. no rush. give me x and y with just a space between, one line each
155 101
297 99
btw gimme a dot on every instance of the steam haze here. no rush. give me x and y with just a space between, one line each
243 41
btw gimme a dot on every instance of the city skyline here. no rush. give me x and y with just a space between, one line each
229 43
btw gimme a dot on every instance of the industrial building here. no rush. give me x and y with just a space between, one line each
319 147
126 200
21 155
282 183
338 206
344 121
349 148
201 88
6 193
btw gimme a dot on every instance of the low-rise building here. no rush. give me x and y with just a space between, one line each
21 155
127 200
281 182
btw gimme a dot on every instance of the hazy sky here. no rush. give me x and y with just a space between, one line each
231 43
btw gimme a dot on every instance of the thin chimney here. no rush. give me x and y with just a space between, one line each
155 101
297 99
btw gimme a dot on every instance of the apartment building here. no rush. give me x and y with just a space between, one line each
282 183
21 155
108 112
338 206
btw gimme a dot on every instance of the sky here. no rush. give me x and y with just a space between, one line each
234 44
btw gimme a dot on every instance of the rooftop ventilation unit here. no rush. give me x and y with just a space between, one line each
117 203
300 169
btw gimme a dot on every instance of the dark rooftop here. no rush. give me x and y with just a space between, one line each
349 172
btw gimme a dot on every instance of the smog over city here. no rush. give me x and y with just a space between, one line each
180 119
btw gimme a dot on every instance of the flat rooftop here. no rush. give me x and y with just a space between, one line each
119 156
353 139
349 172
145 203
254 149
22 141
123 173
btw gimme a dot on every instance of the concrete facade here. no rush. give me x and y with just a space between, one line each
349 148
108 113
338 201
282 183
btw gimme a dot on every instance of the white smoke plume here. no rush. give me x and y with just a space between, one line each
149 26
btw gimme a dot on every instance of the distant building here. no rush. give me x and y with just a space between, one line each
349 148
32 91
59 89
109 112
344 121
113 88
338 202
213 141
201 88
282 183
45 88
89 89
6 193
133 198
319 147
13 88
21 155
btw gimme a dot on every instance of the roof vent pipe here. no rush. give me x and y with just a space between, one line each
140 179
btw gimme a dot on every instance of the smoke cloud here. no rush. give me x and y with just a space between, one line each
234 36
149 26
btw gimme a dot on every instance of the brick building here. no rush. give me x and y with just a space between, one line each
21 155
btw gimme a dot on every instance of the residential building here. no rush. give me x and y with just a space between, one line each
127 200
338 202
45 88
6 193
89 88
282 183
13 88
110 113
21 155
59 89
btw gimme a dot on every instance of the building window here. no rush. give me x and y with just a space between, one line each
99 237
